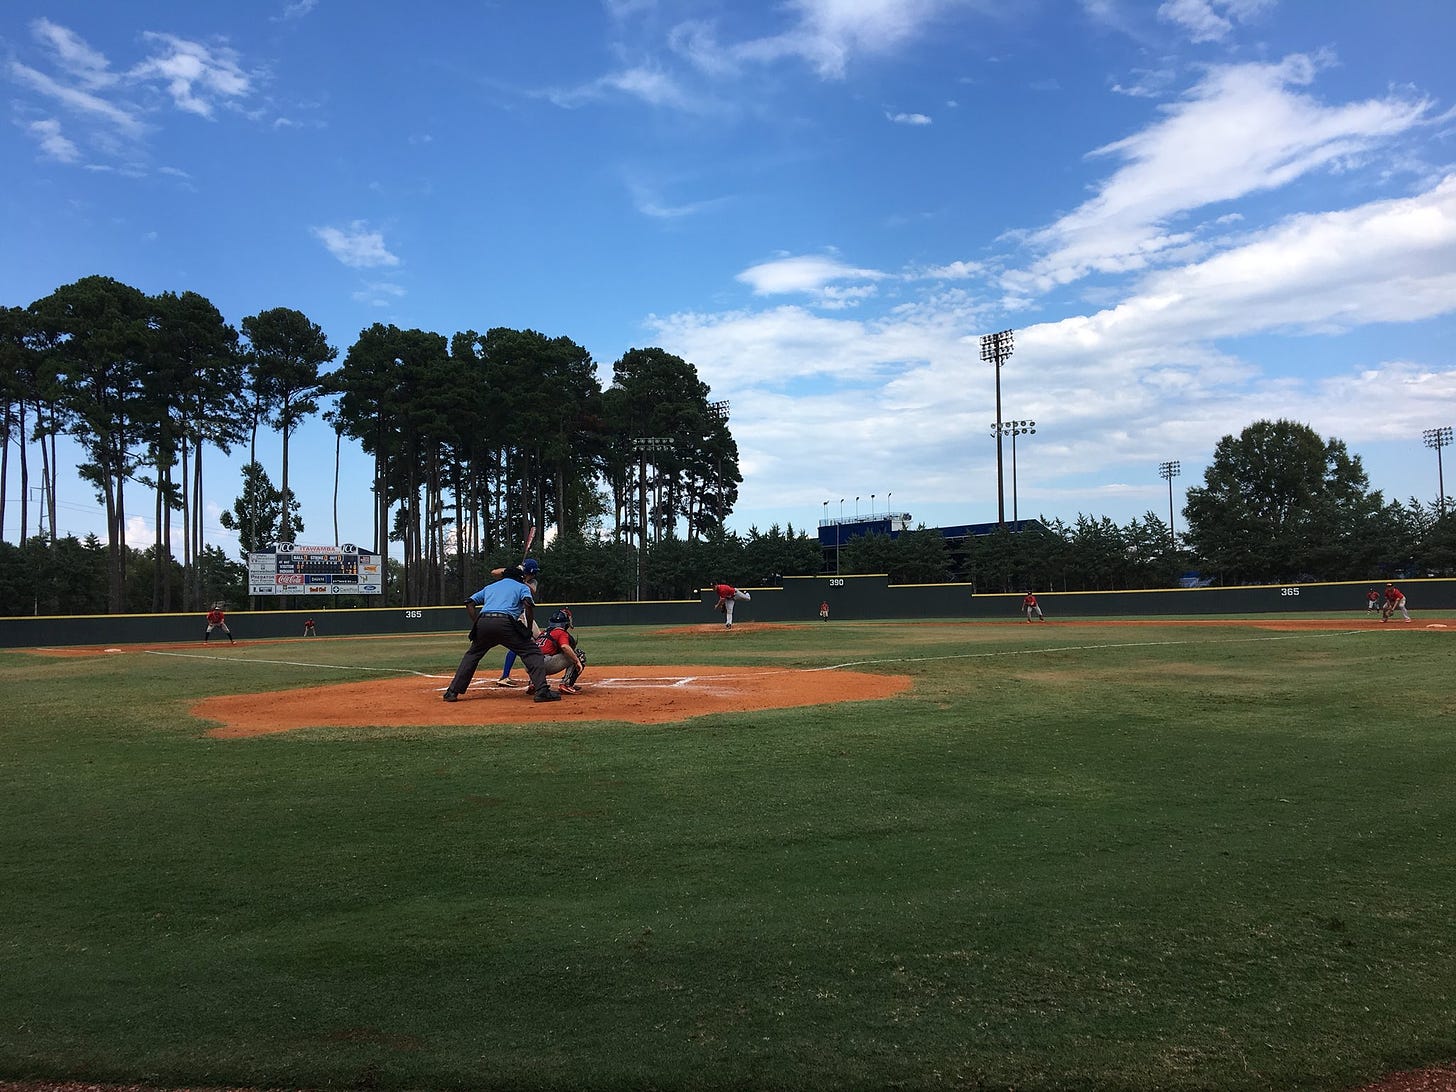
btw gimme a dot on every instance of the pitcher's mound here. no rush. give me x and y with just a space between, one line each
640 695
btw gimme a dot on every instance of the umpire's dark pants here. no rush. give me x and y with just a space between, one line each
499 629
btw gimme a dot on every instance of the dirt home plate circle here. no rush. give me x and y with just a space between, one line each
637 695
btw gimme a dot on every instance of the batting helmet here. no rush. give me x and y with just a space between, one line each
562 618
530 566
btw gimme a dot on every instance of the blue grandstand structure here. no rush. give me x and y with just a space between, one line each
836 533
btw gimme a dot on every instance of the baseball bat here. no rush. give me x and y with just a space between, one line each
530 538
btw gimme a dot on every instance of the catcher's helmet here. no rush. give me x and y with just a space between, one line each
562 618
530 566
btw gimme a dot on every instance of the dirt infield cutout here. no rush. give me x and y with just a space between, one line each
638 695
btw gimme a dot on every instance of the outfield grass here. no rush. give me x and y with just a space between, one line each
1165 857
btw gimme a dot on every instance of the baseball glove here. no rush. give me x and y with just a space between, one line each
720 608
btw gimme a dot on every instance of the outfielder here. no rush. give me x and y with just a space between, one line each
1029 607
727 595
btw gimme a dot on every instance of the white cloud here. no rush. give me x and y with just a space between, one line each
1113 391
73 54
801 274
908 119
651 204
356 246
955 271
380 294
53 142
649 84
1210 20
196 76
827 34
123 119
1387 261
1242 129
296 9
109 116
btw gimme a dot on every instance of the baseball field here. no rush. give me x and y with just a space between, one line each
1073 855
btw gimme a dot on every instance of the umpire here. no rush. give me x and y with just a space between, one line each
495 614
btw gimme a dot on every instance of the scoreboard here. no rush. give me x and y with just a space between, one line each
290 569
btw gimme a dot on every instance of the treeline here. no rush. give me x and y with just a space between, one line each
479 436
1089 554
473 438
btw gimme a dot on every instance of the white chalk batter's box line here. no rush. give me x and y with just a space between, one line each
665 682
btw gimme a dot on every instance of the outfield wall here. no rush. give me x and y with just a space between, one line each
850 598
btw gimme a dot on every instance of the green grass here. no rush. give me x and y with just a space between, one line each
1069 858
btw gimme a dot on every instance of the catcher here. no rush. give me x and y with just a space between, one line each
558 645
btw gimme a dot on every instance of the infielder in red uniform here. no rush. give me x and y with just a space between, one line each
1394 601
216 619
1372 599
1029 607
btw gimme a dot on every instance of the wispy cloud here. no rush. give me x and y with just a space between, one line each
295 9
646 83
1242 129
53 142
829 34
81 101
1111 385
1210 20
87 66
380 294
908 119
196 76
356 246
110 113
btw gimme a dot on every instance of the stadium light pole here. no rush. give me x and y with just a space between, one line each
872 506
1014 429
1439 438
996 349
823 523
1170 470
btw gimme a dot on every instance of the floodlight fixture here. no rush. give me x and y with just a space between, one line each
1439 438
996 349
1014 429
1169 471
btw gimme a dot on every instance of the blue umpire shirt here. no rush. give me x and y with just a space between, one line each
505 596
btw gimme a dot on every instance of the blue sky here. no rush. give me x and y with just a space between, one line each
1194 214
